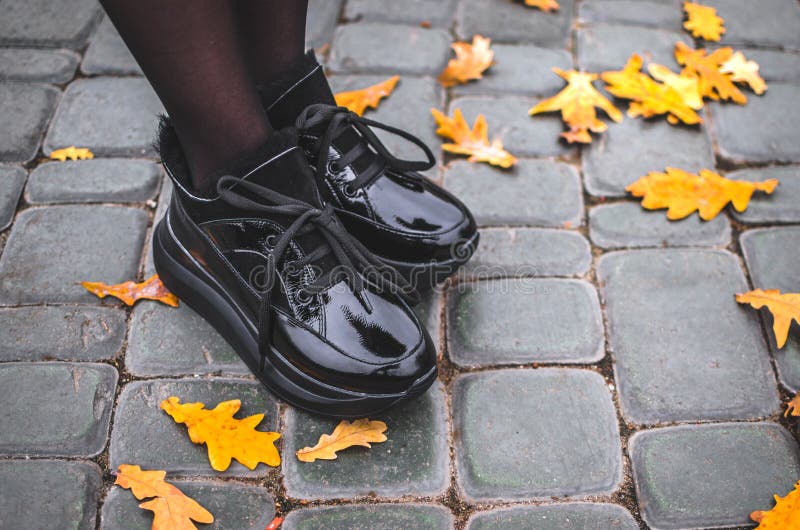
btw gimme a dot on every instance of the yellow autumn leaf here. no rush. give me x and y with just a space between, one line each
359 100
703 22
785 515
683 193
130 292
687 87
470 62
346 434
225 436
784 309
72 152
473 142
648 98
793 406
544 5
706 68
743 71
577 102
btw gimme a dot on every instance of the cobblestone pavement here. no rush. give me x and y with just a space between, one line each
617 385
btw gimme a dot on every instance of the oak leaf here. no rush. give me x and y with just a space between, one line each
687 87
703 22
544 5
172 510
358 100
743 71
346 434
785 515
225 437
784 308
470 62
129 292
648 98
683 193
73 153
705 67
793 406
473 142
577 102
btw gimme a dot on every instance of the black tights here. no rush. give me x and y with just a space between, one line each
204 59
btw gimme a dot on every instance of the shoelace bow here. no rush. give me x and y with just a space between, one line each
339 119
350 253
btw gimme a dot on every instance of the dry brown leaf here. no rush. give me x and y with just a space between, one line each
225 437
706 68
73 153
359 100
703 22
473 142
130 292
784 516
648 98
793 406
577 102
683 193
172 510
275 524
687 87
470 62
544 5
784 309
360 432
743 71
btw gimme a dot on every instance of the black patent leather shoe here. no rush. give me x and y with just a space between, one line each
408 221
317 318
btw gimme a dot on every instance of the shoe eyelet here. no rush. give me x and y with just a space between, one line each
303 298
271 239
333 167
349 191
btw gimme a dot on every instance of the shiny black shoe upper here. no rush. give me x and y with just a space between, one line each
319 319
407 220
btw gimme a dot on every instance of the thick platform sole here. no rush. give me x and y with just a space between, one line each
196 288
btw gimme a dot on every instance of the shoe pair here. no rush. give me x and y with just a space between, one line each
308 257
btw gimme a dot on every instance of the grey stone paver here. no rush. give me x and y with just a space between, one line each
234 506
65 494
107 53
533 193
26 110
44 333
55 409
111 116
515 252
42 23
629 225
144 434
608 46
665 15
684 350
536 414
393 49
512 21
782 206
710 476
775 65
413 461
772 255
428 311
98 180
571 516
30 64
767 23
64 245
632 148
437 13
769 121
321 22
524 321
163 200
372 516
13 180
165 340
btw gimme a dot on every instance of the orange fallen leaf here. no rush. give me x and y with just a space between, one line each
703 22
683 193
648 98
784 308
360 432
785 515
544 5
359 100
275 524
687 87
473 142
706 68
73 153
743 71
225 436
577 102
470 62
172 510
130 292
793 406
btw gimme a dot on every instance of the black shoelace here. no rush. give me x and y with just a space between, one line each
354 258
340 119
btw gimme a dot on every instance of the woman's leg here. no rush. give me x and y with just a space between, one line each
192 54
